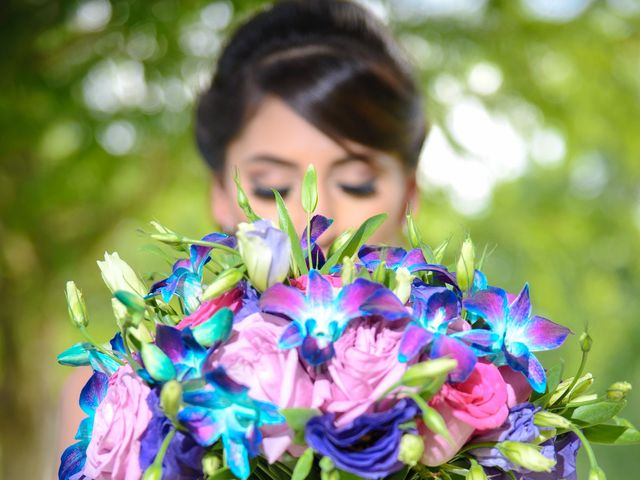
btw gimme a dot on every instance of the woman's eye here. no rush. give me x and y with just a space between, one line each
362 190
267 194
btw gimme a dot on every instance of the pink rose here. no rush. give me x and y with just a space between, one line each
364 367
301 282
252 357
479 403
518 388
231 299
120 420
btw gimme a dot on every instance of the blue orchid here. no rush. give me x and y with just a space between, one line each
84 353
184 352
185 280
223 409
319 316
433 311
515 334
74 457
319 224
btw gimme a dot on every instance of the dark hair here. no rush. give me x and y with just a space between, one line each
332 62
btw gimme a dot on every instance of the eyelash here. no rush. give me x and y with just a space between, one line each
361 191
267 194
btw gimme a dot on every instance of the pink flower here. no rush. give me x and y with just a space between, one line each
301 282
364 367
479 403
252 357
231 299
518 388
120 420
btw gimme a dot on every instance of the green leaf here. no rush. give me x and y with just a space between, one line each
243 200
310 190
597 413
287 226
355 242
297 418
620 433
303 466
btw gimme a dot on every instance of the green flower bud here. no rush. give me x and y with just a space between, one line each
548 419
420 373
76 306
618 391
157 363
168 238
434 422
216 329
586 342
171 398
118 275
476 472
402 289
154 472
466 265
223 283
243 200
526 455
348 271
210 464
134 303
310 190
596 473
326 464
583 383
411 449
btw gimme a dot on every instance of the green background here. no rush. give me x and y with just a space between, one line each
96 139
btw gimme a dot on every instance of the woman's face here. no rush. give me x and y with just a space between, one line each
274 150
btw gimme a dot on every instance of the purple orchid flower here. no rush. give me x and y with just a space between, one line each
74 457
433 311
222 409
185 280
515 334
319 316
319 225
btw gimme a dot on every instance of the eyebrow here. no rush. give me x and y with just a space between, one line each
265 157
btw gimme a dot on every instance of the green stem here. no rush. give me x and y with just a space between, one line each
473 446
214 245
163 448
583 364
99 347
587 447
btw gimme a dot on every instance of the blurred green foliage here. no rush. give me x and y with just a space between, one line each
96 140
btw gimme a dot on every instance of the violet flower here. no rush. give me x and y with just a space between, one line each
368 446
183 458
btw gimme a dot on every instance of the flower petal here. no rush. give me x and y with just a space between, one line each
386 304
314 353
490 304
522 360
237 457
93 392
319 224
319 290
413 340
201 424
541 334
284 300
414 261
372 255
483 342
291 337
351 299
520 309
169 340
72 460
441 308
454 348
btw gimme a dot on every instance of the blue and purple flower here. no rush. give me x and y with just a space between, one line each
515 334
319 316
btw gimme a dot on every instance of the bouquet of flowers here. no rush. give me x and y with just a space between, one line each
261 356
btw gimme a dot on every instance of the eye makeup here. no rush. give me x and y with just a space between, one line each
361 190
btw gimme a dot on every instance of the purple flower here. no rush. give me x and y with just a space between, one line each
368 446
564 448
518 427
319 224
183 459
516 334
320 316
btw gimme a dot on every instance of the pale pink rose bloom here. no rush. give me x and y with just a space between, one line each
120 420
479 403
252 357
364 367
231 299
